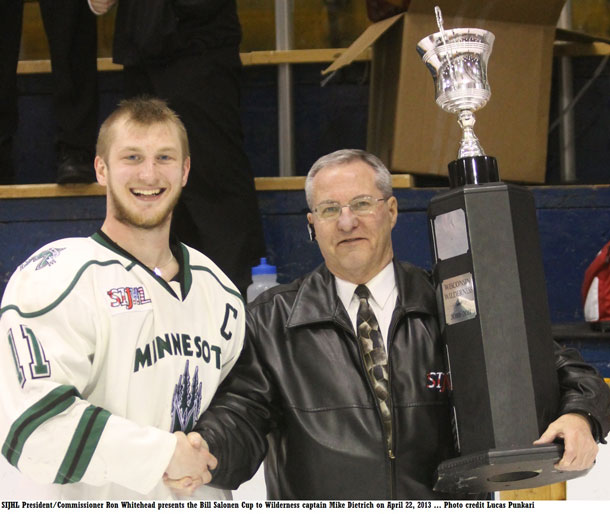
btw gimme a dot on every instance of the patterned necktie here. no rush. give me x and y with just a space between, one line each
375 358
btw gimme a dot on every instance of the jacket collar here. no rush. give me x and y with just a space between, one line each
317 300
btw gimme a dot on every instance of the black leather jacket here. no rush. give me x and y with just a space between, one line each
300 381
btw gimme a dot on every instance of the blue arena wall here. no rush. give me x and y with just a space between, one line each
574 223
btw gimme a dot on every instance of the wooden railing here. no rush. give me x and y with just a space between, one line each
260 183
321 55
261 58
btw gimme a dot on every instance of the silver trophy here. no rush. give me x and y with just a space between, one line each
491 296
457 59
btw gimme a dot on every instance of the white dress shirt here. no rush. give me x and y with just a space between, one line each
382 300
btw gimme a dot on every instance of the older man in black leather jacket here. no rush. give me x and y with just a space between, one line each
299 395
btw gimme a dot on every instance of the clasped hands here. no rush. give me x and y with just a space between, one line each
191 464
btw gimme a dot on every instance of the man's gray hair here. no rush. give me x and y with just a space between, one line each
383 178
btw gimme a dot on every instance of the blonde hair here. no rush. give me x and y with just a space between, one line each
144 111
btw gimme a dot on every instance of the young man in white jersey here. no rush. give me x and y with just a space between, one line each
116 343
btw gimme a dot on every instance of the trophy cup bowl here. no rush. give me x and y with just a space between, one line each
457 60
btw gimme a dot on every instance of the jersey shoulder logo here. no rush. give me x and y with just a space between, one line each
46 258
186 401
127 297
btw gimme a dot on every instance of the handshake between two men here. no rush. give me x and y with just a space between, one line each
191 464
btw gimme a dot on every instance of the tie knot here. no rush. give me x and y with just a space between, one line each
363 292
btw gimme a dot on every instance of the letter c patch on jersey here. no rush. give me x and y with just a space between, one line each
230 315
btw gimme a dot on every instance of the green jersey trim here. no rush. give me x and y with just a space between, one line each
83 445
227 289
54 403
177 248
185 264
181 253
62 296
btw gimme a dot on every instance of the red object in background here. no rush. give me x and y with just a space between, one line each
596 287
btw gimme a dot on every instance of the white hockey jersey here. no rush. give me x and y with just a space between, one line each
102 359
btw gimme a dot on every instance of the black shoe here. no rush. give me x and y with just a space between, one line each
74 166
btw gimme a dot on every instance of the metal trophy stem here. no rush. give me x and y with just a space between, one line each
469 145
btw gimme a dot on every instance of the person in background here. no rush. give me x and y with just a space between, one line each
115 343
331 388
72 36
187 52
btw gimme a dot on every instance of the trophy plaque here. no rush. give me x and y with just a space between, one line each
491 295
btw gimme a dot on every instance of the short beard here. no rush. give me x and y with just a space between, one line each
138 220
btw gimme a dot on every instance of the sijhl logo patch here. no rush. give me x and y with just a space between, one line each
439 381
127 297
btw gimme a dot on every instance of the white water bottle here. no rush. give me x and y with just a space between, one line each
264 276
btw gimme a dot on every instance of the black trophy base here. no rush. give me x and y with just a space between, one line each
503 470
479 169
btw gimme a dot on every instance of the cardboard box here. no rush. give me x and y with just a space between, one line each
406 128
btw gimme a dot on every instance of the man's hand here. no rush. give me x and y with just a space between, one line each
191 461
580 448
101 6
191 464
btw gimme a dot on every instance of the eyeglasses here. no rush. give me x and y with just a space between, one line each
360 206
